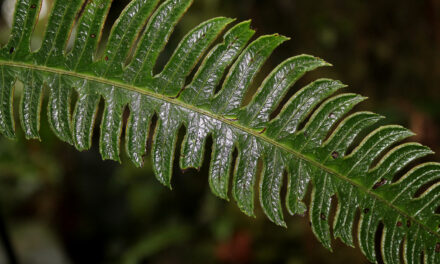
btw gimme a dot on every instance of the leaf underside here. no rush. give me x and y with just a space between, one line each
309 141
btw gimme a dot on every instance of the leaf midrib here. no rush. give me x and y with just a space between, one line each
221 119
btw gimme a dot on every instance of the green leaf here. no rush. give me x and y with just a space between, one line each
187 54
157 32
57 33
84 115
89 30
25 18
207 78
242 73
137 128
313 143
6 99
30 105
58 108
273 89
125 31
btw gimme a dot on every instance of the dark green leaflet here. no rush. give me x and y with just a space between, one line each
124 33
158 30
308 141
84 116
87 36
30 104
58 109
59 27
243 72
25 17
207 78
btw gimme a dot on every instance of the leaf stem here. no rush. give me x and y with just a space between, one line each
250 131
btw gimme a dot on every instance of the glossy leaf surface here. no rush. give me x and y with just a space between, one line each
311 143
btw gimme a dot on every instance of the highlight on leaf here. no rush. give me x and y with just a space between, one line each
313 140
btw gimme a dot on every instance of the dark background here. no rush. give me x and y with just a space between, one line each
63 206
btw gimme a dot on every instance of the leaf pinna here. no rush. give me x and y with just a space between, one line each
309 141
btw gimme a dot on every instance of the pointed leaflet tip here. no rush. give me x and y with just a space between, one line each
215 63
231 19
406 131
229 99
328 64
277 37
324 63
281 224
153 40
249 21
225 20
245 24
274 87
339 83
282 38
333 83
362 98
194 45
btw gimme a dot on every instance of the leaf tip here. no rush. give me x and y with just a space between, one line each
246 210
405 131
363 98
221 195
360 98
11 137
284 38
166 184
246 22
280 38
282 223
380 117
323 62
340 84
227 20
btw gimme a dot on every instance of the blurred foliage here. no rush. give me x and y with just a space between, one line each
62 206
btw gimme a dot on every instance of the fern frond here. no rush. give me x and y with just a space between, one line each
309 140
